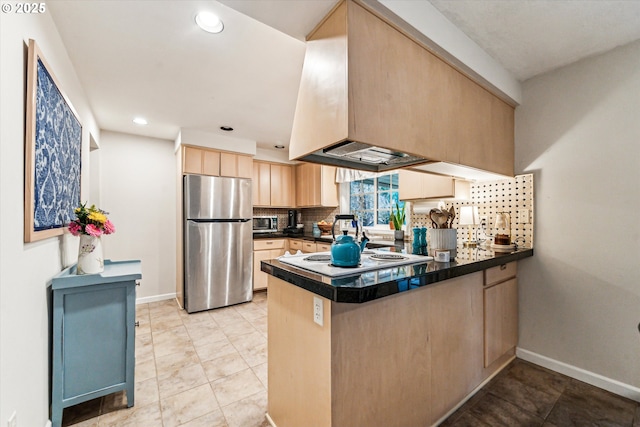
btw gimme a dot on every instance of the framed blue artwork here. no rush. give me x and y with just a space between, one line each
53 143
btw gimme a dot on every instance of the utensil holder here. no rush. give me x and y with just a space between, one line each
443 239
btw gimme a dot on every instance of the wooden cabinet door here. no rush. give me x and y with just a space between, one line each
328 186
500 319
261 184
236 165
409 185
192 160
303 185
316 185
417 185
282 184
455 319
210 162
263 250
259 277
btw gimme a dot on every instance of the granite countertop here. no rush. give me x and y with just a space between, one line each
325 238
372 285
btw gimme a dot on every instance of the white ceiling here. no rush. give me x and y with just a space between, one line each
148 58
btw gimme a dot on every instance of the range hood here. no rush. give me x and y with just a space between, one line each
357 155
372 98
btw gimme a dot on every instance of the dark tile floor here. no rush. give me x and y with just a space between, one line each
524 394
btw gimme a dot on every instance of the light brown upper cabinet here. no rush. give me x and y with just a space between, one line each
316 185
200 161
236 165
419 185
282 185
365 80
204 161
261 187
273 185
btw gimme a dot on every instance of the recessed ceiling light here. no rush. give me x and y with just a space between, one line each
279 147
140 121
209 22
226 128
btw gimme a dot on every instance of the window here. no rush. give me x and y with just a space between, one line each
371 199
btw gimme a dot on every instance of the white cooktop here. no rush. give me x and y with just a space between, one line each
368 262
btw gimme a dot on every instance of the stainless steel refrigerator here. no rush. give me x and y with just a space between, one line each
218 242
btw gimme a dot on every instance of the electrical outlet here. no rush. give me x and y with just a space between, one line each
13 420
318 313
484 223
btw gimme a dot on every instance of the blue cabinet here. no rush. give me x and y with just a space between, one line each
93 335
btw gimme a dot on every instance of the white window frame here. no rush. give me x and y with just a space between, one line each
345 206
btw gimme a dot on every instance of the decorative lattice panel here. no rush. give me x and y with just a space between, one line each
508 195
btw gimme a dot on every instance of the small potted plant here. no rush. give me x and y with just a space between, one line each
397 219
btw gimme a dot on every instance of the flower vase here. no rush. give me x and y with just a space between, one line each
90 259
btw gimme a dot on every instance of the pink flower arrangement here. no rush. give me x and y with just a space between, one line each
91 221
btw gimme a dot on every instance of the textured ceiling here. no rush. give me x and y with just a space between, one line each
530 37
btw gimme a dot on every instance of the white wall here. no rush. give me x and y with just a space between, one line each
578 131
138 189
25 269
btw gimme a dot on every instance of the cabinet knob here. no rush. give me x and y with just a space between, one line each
137 282
137 323
503 267
269 243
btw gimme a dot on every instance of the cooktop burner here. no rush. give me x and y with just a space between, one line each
388 257
345 266
318 258
320 263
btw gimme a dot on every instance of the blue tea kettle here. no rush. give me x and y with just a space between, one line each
345 250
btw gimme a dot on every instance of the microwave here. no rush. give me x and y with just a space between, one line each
265 224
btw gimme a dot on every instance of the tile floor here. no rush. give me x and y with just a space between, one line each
209 369
192 370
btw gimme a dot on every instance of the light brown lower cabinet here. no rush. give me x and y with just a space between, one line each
403 360
295 245
455 325
264 250
308 247
323 247
500 312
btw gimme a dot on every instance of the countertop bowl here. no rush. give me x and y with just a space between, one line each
325 228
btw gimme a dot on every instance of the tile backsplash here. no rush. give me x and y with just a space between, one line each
507 195
309 216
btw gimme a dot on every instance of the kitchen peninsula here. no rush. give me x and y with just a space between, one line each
398 346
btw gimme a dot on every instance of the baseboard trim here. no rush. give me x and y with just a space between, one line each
597 380
269 420
155 298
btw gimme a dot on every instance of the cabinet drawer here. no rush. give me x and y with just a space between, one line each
308 247
323 247
295 245
261 245
500 273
